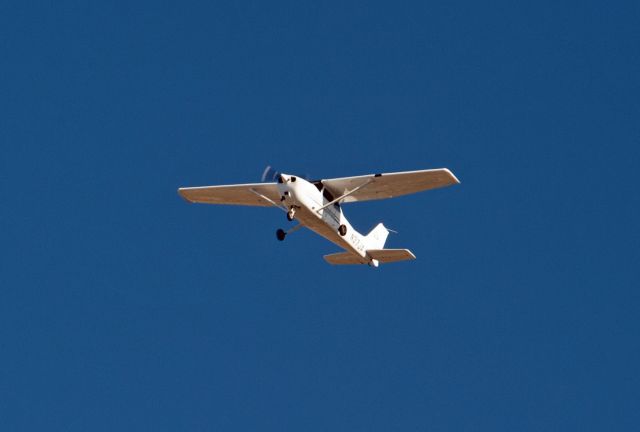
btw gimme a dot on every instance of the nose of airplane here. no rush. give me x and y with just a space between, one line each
285 178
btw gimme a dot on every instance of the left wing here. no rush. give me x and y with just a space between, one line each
389 185
252 194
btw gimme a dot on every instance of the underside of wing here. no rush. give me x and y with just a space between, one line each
344 258
389 185
255 194
391 255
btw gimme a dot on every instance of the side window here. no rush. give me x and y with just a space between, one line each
329 197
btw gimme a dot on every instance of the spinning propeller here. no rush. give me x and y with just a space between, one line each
271 175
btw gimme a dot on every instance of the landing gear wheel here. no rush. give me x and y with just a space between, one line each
290 214
342 230
281 234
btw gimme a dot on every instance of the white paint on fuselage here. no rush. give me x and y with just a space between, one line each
305 198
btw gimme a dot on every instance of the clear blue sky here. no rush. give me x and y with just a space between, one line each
124 308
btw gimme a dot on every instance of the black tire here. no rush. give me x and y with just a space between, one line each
280 234
342 230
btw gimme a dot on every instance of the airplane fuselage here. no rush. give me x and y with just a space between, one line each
311 209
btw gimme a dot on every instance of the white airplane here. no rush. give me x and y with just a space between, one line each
317 206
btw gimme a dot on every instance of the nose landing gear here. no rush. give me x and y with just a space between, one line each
342 230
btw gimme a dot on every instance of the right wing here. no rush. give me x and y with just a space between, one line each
252 194
389 185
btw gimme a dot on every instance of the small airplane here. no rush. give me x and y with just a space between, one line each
317 205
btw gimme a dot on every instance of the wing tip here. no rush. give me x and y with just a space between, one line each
183 195
453 176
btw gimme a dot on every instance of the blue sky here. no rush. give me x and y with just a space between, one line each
124 308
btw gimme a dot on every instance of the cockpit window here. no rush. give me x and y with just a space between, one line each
327 195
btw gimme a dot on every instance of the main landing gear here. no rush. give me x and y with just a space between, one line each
281 234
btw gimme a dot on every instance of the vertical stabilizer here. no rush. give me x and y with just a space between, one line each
377 237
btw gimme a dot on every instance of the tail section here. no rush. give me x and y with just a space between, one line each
377 237
375 251
375 241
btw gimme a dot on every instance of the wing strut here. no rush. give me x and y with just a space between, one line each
294 229
340 198
269 200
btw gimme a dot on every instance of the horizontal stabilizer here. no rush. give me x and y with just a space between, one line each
342 258
391 255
